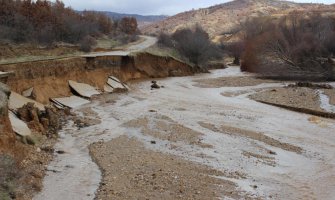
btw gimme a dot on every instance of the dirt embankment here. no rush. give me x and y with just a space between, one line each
7 138
50 78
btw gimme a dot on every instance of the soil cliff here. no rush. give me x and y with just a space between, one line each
7 137
50 78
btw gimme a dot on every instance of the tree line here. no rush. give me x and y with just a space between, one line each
296 46
46 22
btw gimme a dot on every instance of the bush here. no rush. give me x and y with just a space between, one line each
193 44
87 43
165 40
293 47
235 50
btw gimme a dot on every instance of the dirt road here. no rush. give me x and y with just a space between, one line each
147 42
241 148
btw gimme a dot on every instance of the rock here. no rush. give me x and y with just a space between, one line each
32 140
153 142
48 149
5 89
45 123
155 86
53 117
30 114
60 152
272 152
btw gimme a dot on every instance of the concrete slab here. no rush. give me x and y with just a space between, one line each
108 89
115 79
17 101
70 102
6 74
19 126
28 93
114 84
83 89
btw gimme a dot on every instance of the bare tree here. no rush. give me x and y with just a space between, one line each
294 46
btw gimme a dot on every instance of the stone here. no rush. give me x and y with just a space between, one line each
155 86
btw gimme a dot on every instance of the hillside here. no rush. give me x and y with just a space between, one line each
223 19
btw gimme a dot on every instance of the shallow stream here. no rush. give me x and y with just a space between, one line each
306 175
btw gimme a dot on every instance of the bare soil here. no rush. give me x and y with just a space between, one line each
294 97
230 82
29 169
133 172
252 135
164 128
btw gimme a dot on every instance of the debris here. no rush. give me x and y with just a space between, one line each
115 79
28 93
83 89
70 102
17 101
19 127
108 89
115 84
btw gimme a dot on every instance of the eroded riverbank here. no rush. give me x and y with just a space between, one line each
275 153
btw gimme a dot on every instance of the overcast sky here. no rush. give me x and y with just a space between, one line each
153 7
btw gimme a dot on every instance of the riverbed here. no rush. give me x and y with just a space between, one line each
268 152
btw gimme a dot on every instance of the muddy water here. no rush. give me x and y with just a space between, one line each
309 174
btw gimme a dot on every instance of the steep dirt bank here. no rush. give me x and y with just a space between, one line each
50 78
22 167
7 138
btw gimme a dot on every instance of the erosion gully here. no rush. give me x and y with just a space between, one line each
306 175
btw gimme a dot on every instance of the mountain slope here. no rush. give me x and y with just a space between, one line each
225 18
141 19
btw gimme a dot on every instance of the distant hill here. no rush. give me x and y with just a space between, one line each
223 20
141 19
